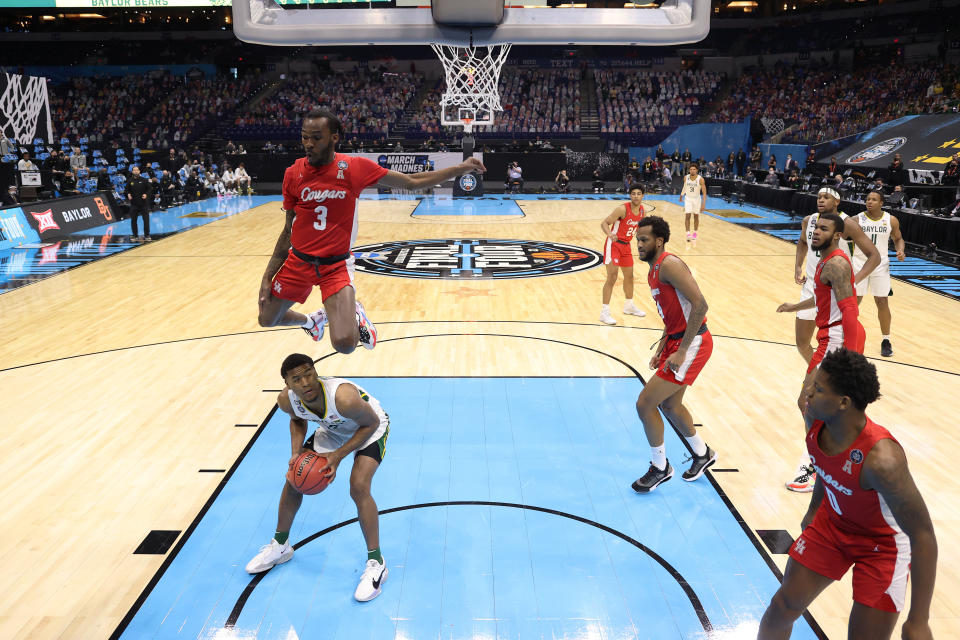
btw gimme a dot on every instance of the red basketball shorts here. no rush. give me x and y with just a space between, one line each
830 339
296 278
617 253
881 564
697 356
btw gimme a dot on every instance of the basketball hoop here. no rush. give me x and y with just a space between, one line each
21 102
472 75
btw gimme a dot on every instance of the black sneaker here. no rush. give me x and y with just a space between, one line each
699 465
652 479
886 349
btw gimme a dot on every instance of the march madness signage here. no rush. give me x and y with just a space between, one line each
416 162
473 259
63 216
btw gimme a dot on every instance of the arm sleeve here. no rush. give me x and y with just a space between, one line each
849 321
365 172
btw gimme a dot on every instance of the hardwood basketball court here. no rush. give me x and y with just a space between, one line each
127 383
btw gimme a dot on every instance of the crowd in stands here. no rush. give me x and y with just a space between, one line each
74 167
534 101
539 101
820 104
105 109
651 101
193 110
369 104
153 111
108 124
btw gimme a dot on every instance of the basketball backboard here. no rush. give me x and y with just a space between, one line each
411 22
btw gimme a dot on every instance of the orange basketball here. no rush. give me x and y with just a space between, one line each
304 474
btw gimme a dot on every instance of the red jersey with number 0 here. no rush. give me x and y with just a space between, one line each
850 507
673 306
626 227
828 313
325 201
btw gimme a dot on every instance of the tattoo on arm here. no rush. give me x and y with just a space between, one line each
837 273
675 273
886 472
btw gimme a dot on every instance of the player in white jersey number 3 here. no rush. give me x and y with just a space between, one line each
694 196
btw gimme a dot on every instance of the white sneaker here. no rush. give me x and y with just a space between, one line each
606 318
319 323
371 581
633 310
368 332
270 555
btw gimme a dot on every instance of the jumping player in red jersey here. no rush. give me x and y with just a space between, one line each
320 194
620 227
837 318
874 517
681 354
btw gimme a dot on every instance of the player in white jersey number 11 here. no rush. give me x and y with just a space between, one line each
880 227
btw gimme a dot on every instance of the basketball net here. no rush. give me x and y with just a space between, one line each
22 100
472 74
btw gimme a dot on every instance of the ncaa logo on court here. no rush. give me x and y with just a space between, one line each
473 259
877 151
468 182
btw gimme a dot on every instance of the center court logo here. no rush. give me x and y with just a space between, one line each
473 259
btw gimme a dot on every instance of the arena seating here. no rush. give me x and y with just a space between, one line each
824 104
642 107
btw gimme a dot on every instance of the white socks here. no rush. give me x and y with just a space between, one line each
605 308
697 444
885 338
628 302
658 456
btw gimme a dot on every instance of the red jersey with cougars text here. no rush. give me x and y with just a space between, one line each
626 227
325 201
828 313
672 305
850 507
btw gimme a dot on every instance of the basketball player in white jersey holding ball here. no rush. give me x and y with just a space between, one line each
828 199
348 420
694 194
879 226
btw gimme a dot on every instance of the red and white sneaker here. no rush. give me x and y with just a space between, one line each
319 323
368 332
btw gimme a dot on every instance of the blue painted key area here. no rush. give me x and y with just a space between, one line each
569 551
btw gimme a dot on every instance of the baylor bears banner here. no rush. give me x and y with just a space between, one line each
925 144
